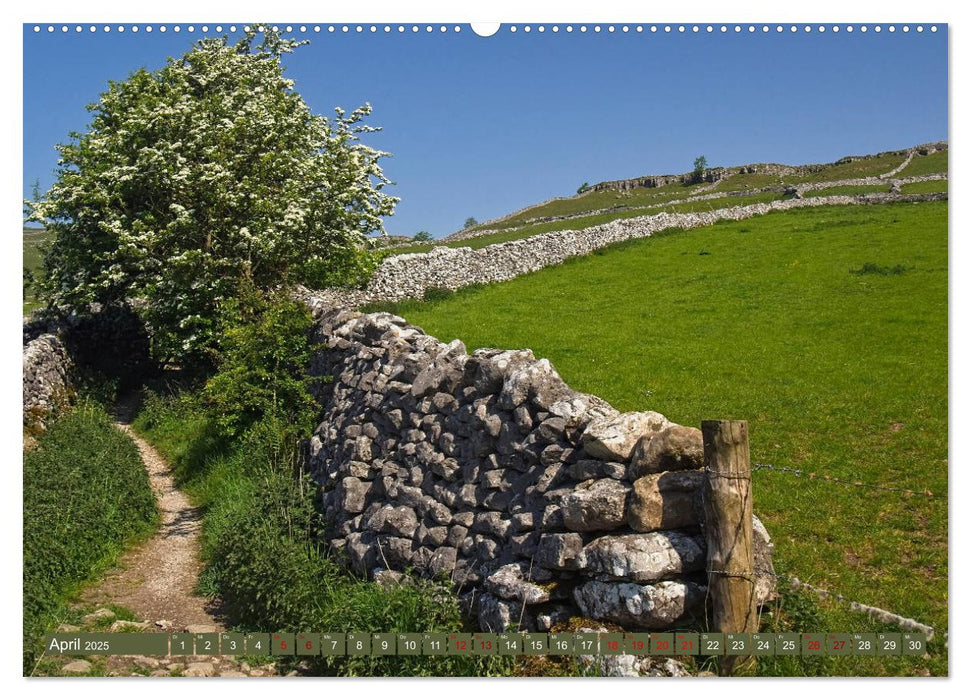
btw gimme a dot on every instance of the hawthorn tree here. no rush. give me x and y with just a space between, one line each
200 177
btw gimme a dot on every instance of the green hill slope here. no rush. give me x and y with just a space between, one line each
826 328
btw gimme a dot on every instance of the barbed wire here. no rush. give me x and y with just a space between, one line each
874 612
758 466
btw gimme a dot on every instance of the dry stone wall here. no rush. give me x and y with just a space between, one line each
47 376
537 502
412 275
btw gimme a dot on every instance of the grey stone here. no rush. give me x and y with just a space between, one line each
677 447
595 469
613 438
496 615
598 505
665 501
651 606
491 523
352 494
442 562
559 550
642 557
511 582
79 666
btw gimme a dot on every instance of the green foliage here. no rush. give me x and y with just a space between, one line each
583 188
263 369
422 236
85 494
201 175
470 222
263 547
698 171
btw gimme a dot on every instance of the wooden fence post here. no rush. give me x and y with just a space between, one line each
728 529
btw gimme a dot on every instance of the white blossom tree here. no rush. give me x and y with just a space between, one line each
209 173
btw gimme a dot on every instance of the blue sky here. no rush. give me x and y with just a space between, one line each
482 126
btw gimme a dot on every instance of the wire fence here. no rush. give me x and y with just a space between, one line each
860 483
795 583
874 612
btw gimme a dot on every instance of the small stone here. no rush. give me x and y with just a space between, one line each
202 629
229 673
559 550
64 627
200 669
129 626
99 615
79 666
509 582
145 661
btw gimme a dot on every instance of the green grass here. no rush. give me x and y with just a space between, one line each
926 187
838 373
35 241
583 222
748 181
86 497
604 199
867 167
935 162
851 190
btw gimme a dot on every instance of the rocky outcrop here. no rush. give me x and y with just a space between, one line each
487 470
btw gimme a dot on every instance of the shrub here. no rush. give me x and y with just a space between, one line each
263 369
207 173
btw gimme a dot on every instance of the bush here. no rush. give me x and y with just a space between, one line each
263 370
86 494
205 174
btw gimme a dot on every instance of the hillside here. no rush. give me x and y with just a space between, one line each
723 187
825 328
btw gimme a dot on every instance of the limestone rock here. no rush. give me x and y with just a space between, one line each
558 550
612 438
652 606
200 669
394 520
642 557
537 383
677 447
496 615
510 583
79 666
762 548
665 501
601 505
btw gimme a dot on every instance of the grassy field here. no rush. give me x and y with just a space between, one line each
826 329
847 190
926 165
582 222
924 187
34 242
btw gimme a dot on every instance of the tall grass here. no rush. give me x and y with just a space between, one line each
86 495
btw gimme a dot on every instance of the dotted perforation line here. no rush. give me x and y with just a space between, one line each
512 29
